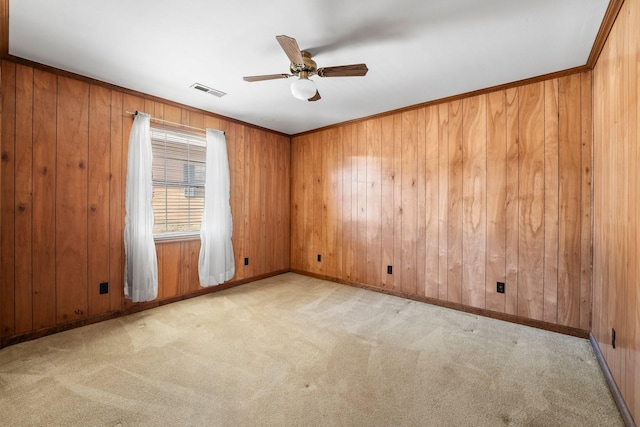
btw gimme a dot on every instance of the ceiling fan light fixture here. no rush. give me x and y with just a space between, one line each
303 88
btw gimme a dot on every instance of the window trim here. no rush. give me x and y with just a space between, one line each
182 236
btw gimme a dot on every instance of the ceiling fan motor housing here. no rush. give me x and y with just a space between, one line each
308 67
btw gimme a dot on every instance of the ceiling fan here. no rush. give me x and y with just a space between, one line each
303 66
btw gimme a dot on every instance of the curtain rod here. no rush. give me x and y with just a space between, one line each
169 122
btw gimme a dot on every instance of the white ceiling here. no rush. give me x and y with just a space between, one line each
416 50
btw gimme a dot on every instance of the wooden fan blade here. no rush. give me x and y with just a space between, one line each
343 71
315 97
266 77
290 47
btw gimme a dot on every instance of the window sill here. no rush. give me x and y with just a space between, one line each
182 237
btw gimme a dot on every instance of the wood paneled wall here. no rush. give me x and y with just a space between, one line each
64 150
616 284
456 197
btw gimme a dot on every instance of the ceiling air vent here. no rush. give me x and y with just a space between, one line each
209 90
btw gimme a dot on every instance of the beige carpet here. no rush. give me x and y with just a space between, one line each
296 351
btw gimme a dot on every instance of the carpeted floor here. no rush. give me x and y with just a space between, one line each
297 351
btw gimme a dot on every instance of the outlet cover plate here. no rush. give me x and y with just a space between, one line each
104 288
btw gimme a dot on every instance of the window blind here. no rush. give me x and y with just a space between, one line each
178 182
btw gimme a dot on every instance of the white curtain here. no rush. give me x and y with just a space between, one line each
141 264
216 263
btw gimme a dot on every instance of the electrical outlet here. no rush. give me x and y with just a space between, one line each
389 269
246 261
500 287
319 258
104 288
613 338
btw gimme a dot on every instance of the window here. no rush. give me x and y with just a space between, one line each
178 182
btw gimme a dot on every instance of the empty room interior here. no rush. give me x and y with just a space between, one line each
432 221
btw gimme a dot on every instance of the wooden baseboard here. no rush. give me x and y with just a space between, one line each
566 330
130 308
613 387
